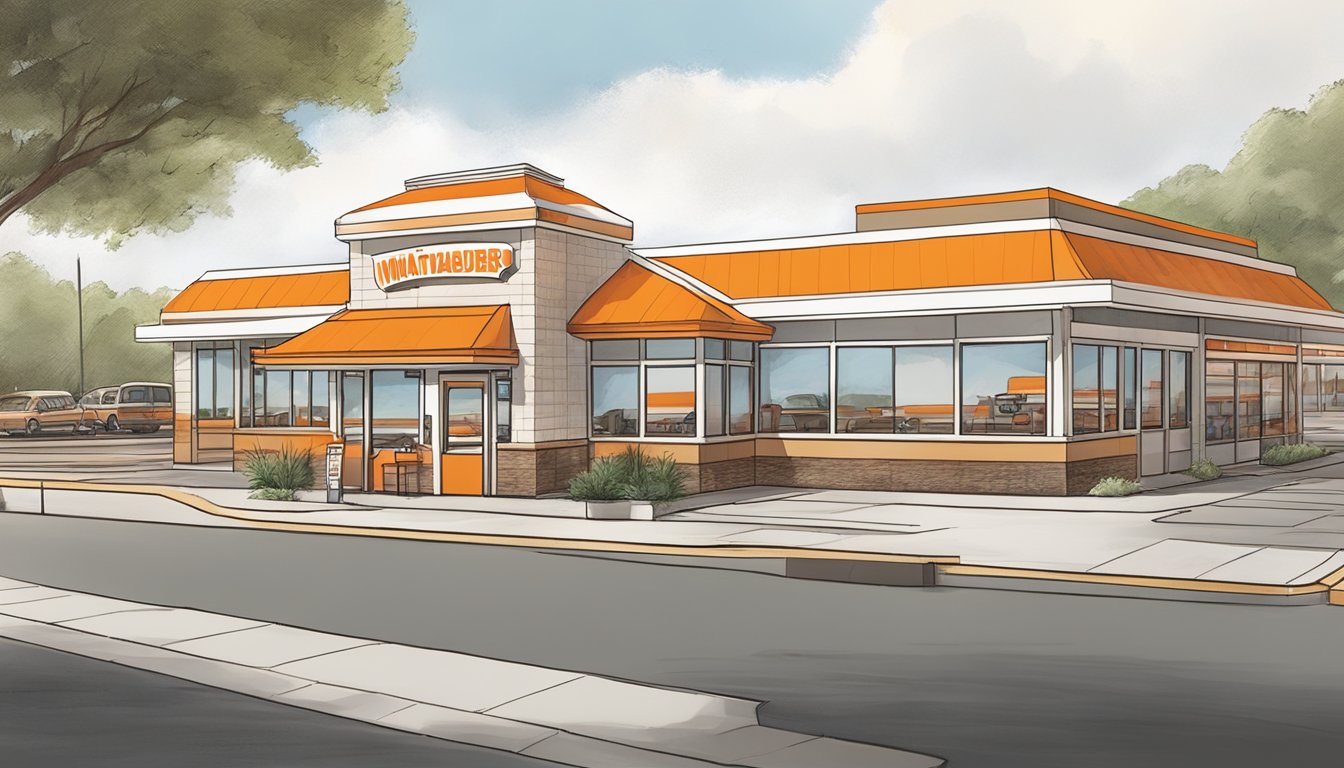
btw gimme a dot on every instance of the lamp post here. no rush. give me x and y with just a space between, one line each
79 303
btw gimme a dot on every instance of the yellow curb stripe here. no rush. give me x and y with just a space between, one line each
593 545
1158 582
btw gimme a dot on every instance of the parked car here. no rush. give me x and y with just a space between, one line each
140 406
35 411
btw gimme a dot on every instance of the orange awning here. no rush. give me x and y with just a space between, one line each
424 336
264 292
635 303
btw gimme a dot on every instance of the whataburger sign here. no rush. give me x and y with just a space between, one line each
434 263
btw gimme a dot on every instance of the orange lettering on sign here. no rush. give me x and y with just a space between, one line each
457 261
442 264
492 260
506 258
478 260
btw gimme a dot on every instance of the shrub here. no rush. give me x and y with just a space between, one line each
286 469
630 475
1280 455
1115 486
273 494
1204 469
604 481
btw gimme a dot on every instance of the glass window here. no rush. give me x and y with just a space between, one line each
352 429
741 350
714 410
669 349
1130 376
137 395
224 383
1290 399
669 400
715 349
1151 389
1332 387
1272 399
1220 397
276 404
1179 415
320 399
1110 389
205 383
110 398
739 399
504 410
466 417
303 415
615 400
863 390
796 389
616 349
1248 401
162 395
1086 389
1311 392
1003 388
395 410
924 390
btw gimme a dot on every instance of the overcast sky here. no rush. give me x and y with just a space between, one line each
707 120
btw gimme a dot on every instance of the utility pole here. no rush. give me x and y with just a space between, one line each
79 302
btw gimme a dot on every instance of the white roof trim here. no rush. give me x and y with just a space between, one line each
239 329
934 301
1138 296
457 206
251 313
1158 243
484 227
302 269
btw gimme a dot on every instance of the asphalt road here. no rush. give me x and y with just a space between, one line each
68 711
983 678
87 455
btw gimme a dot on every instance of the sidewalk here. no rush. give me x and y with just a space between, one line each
1268 535
557 715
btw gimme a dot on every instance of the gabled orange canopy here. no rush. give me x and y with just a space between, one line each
635 302
425 336
266 291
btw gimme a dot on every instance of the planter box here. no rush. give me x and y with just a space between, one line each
607 510
641 510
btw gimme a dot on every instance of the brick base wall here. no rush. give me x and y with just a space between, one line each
721 475
1012 477
532 472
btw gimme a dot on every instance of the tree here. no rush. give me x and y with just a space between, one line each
1284 189
120 117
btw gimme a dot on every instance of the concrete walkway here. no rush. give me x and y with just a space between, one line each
557 715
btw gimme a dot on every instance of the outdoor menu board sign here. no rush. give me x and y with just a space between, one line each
335 456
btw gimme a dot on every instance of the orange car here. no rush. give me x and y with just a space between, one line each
140 406
35 411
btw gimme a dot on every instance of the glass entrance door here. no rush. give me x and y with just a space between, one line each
464 436
1152 421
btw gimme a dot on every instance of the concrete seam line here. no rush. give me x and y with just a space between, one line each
1160 582
712 550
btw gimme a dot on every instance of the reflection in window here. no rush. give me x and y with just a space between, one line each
214 383
739 400
1179 415
289 398
714 396
924 384
1130 375
669 400
1290 399
1332 387
1248 401
1271 399
1003 388
1151 389
669 349
1220 423
1110 388
465 419
796 389
1311 392
863 390
1086 389
352 429
615 400
277 400
394 412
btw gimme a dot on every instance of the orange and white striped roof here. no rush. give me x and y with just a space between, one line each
270 288
514 195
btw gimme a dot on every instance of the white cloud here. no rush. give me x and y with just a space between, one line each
934 99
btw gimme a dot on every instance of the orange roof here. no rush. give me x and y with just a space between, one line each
1052 194
264 292
431 335
636 302
985 259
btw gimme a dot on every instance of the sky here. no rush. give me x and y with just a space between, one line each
708 121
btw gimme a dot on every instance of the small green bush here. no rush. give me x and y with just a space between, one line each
273 494
630 475
1115 486
1204 469
287 469
1280 455
605 481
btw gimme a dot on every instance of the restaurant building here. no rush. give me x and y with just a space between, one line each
492 331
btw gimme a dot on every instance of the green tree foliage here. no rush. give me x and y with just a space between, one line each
122 117
39 344
1284 189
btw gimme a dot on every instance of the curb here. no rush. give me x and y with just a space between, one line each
872 568
557 715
